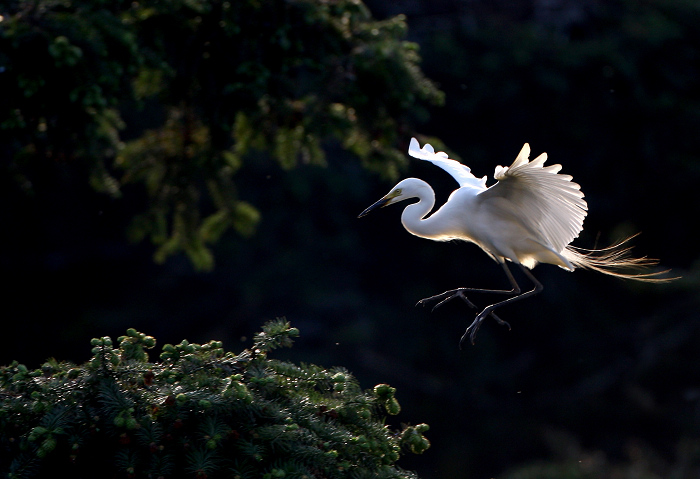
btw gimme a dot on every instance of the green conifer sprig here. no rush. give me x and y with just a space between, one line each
199 412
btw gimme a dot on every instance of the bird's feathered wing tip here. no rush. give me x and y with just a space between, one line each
522 157
549 204
425 153
616 260
461 173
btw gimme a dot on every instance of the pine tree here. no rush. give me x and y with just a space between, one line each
199 411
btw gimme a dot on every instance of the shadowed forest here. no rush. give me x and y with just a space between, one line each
194 168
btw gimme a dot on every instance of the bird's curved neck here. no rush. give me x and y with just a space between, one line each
413 216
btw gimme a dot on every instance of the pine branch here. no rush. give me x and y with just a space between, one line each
200 411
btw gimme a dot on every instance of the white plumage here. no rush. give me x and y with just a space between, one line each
529 216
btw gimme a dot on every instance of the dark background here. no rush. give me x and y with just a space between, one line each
595 370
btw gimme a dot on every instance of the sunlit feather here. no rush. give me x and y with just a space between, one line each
530 216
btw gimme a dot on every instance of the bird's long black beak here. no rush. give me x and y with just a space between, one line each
378 204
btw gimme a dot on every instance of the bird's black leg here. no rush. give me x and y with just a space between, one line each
443 298
474 327
460 293
473 306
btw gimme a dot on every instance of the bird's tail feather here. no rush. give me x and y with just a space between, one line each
616 260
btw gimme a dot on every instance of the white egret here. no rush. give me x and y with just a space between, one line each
529 216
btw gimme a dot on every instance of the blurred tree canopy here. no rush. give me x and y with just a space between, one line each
177 95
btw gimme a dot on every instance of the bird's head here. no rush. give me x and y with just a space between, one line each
405 189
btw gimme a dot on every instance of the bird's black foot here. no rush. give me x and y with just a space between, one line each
445 297
476 324
471 331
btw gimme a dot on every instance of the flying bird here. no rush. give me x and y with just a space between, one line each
530 216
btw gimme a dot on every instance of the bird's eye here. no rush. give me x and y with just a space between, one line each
397 191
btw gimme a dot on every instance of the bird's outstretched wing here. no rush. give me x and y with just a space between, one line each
547 203
459 172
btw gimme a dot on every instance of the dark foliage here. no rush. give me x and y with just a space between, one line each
597 377
199 412
176 96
